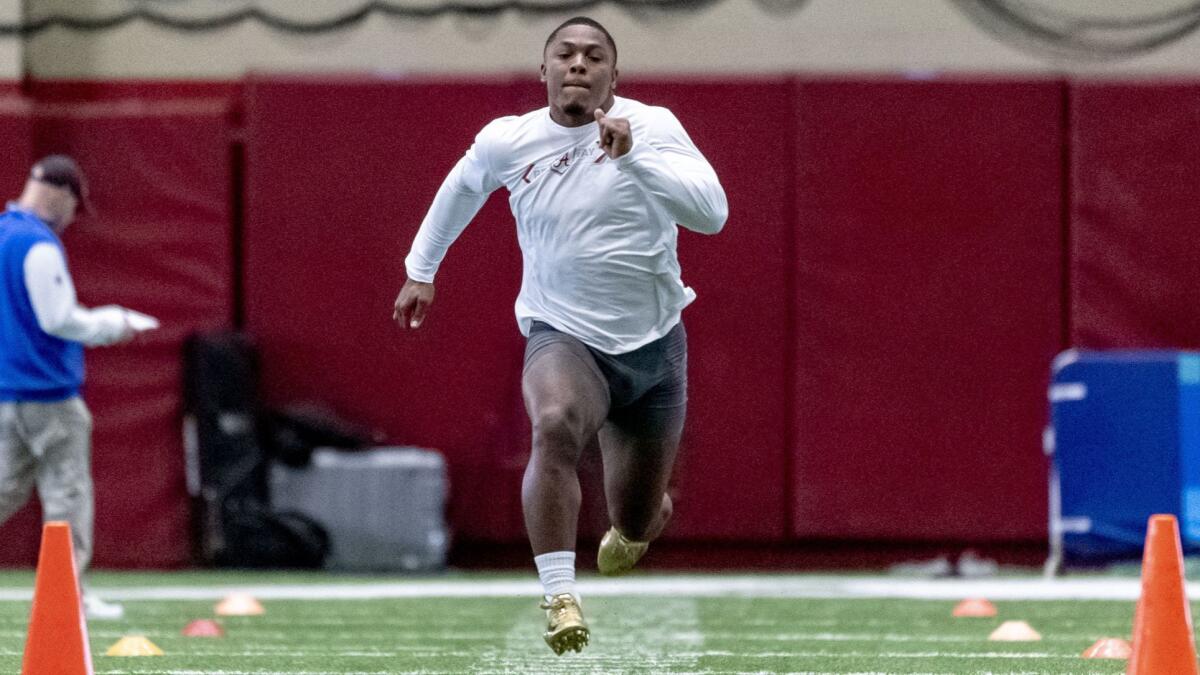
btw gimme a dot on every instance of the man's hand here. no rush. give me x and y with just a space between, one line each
615 137
412 304
126 333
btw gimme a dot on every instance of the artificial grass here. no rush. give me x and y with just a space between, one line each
630 634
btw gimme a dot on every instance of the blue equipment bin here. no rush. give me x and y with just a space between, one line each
1125 438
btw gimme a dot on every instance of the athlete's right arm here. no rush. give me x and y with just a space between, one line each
459 198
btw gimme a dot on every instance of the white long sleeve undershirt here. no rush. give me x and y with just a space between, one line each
598 236
454 206
52 294
681 182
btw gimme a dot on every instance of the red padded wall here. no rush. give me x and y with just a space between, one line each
731 477
870 346
1135 158
19 534
339 176
16 129
928 282
160 243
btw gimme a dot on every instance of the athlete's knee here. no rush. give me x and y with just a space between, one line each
557 427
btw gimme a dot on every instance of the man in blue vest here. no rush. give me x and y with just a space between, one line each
45 428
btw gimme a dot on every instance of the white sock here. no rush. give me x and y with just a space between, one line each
557 572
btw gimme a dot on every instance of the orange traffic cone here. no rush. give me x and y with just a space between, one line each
58 639
1162 624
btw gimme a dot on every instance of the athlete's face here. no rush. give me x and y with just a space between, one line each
580 72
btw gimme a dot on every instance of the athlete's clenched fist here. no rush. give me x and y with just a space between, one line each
615 137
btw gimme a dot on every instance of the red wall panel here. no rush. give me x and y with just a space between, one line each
928 283
186 92
339 176
731 477
19 534
16 127
1135 156
159 242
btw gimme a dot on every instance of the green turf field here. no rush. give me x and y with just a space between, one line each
485 623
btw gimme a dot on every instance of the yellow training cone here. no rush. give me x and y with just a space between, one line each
134 645
239 604
1015 631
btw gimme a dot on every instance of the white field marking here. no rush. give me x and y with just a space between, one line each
282 673
662 635
889 655
313 653
738 586
863 637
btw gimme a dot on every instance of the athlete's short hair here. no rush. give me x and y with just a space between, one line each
583 21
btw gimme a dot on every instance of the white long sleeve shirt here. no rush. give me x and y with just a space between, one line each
597 236
52 295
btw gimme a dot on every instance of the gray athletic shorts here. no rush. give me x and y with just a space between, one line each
647 387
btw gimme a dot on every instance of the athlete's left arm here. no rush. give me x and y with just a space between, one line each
669 167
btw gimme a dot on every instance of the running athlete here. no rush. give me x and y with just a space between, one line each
597 184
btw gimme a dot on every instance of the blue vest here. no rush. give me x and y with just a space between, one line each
34 365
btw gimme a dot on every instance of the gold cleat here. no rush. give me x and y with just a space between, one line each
618 555
565 627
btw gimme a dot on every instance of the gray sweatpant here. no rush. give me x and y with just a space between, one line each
49 444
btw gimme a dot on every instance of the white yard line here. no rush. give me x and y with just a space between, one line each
384 670
749 586
662 636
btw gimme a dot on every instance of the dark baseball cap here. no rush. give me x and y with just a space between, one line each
62 171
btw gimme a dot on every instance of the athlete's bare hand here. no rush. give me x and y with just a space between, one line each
615 137
413 303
